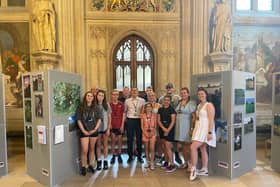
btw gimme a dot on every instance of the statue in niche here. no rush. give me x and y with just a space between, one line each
221 27
43 25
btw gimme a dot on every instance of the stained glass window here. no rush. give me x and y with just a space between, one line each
133 63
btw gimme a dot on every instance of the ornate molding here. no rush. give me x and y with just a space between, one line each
46 60
132 5
220 61
97 32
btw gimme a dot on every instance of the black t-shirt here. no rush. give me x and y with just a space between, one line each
165 115
89 117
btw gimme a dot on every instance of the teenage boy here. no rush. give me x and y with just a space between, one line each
117 126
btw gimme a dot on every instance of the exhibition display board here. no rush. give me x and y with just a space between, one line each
275 151
3 140
233 94
50 100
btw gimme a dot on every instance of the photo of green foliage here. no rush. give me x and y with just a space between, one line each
66 98
27 111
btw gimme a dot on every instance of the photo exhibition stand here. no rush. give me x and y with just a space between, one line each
275 151
51 143
233 94
3 140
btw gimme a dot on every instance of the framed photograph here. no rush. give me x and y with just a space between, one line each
39 106
237 138
27 111
72 123
237 117
276 126
26 86
38 82
66 98
28 137
221 131
250 105
239 96
250 83
248 125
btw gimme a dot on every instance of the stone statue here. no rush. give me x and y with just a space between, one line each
43 25
222 28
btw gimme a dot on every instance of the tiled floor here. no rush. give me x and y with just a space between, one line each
136 175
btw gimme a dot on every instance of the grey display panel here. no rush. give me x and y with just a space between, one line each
233 95
58 160
3 143
275 151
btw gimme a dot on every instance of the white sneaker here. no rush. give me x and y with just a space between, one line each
193 174
202 172
152 166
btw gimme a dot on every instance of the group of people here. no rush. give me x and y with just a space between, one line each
163 125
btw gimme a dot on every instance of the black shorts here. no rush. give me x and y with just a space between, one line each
116 131
82 135
102 132
169 137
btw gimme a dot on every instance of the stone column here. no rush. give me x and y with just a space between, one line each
44 36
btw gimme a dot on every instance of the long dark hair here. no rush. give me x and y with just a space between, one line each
104 102
84 106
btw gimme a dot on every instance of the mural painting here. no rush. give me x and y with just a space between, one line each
14 59
257 50
133 5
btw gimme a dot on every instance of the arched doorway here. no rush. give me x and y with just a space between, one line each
133 61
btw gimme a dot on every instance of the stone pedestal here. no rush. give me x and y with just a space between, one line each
220 61
45 60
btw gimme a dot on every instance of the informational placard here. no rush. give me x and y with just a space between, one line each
58 134
42 134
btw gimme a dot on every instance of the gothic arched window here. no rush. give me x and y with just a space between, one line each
133 60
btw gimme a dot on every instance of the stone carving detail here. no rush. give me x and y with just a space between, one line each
97 32
221 28
133 5
43 25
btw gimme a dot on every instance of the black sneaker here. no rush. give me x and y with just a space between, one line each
177 158
83 171
129 160
105 164
170 169
164 165
140 159
98 167
120 159
113 159
90 169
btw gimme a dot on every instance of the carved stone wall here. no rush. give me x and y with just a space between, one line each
103 38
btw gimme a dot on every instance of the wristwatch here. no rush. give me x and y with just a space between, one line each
209 132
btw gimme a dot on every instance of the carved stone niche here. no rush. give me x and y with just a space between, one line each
46 60
220 61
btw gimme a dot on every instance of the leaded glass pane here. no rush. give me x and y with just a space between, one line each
139 52
265 5
243 5
127 75
119 77
127 50
119 55
140 81
147 54
148 76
